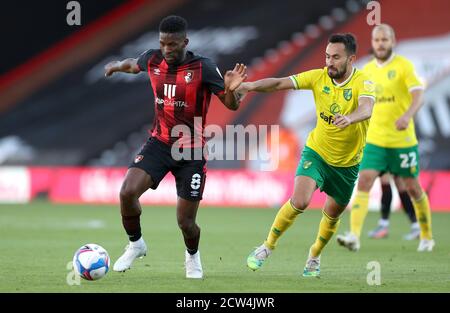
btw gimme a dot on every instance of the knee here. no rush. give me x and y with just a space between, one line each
186 224
365 183
414 189
128 193
299 203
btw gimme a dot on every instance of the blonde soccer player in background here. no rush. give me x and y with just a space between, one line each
392 145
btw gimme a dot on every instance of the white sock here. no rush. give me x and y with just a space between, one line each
383 223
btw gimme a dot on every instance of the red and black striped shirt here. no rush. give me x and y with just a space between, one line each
182 95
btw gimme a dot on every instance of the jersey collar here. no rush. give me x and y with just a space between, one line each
345 81
385 62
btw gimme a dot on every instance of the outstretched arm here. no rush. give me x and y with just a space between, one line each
233 79
363 112
125 66
267 85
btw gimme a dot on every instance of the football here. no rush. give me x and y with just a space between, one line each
91 262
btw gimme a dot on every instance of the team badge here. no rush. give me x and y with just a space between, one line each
347 94
391 74
188 76
138 158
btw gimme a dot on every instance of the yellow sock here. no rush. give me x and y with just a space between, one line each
359 211
285 217
423 213
327 227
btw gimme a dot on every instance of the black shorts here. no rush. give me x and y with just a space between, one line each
155 158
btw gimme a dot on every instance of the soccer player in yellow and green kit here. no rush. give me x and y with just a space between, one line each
391 140
344 99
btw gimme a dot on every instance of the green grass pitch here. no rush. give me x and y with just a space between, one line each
37 241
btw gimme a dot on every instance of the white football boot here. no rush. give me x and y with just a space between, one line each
350 241
193 265
426 245
134 250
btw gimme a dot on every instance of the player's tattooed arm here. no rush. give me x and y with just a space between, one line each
230 98
125 66
363 112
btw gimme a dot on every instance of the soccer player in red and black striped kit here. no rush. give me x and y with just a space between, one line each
182 86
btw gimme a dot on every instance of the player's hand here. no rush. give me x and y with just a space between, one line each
341 121
403 122
234 78
111 67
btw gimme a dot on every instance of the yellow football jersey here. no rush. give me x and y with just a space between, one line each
393 81
338 147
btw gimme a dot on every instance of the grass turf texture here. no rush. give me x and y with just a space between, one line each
37 241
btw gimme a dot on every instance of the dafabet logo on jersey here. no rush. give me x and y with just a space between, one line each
334 109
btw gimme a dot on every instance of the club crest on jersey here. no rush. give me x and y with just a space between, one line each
188 76
138 158
391 74
156 71
347 94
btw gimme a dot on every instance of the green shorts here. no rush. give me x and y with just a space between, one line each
337 182
403 162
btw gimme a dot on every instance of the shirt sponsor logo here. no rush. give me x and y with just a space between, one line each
329 119
171 103
385 99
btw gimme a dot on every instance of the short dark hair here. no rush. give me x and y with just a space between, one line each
347 39
173 24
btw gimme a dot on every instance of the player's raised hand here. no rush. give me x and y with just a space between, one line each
341 121
235 77
403 122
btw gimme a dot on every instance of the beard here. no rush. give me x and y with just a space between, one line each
384 55
338 73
